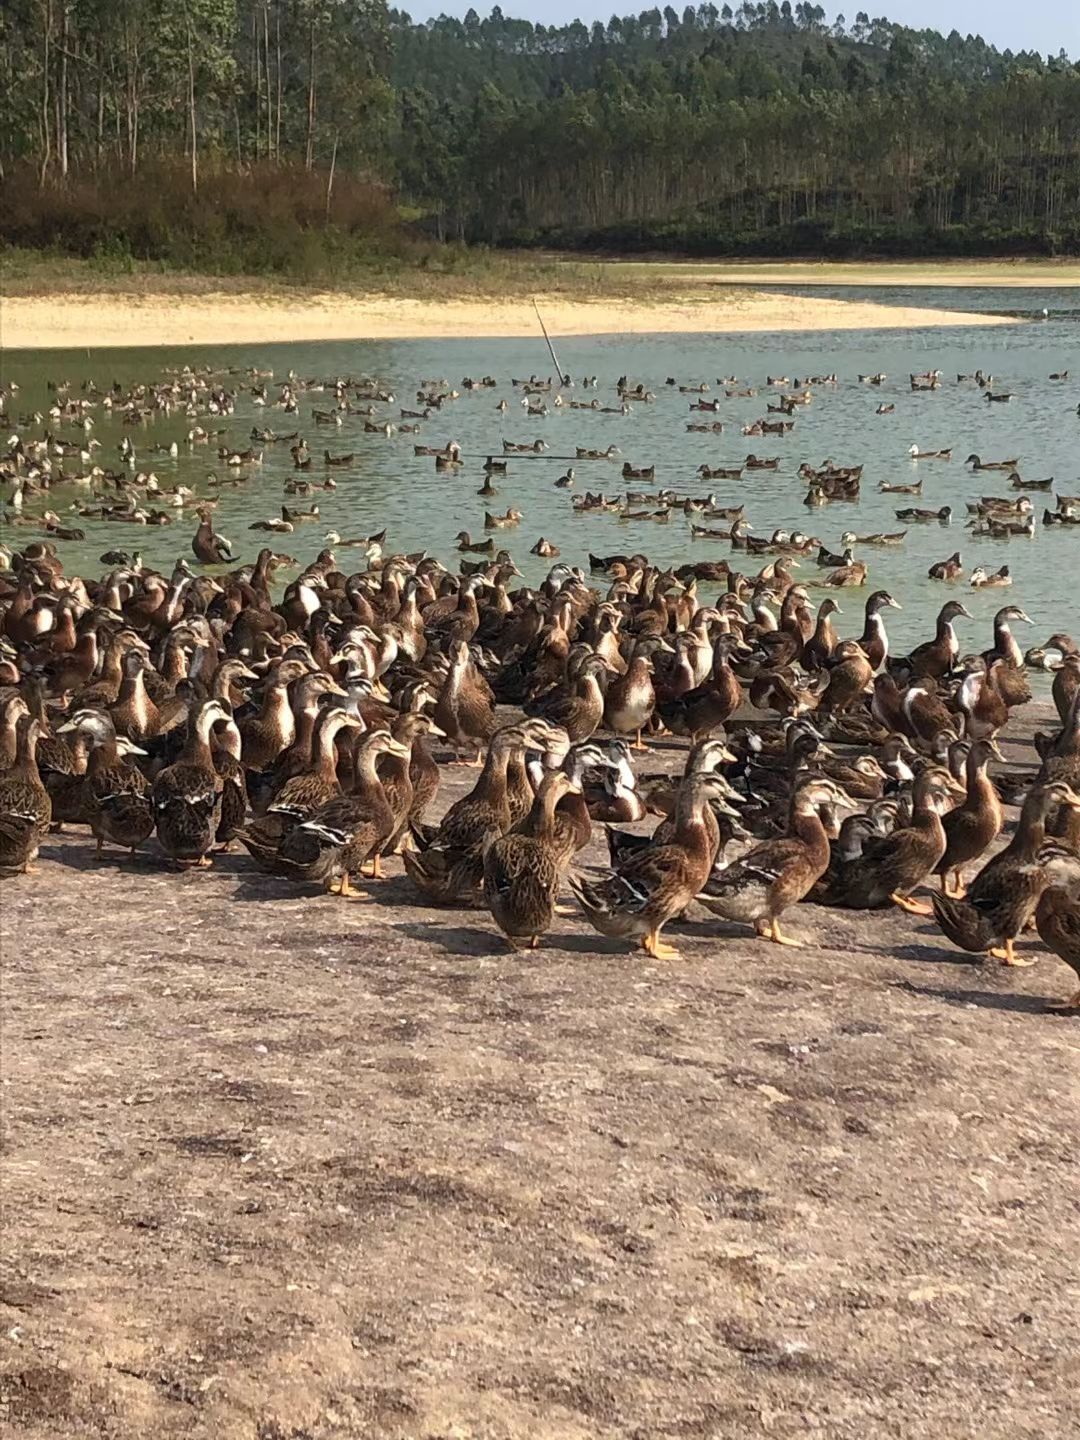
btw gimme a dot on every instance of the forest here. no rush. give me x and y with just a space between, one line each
297 136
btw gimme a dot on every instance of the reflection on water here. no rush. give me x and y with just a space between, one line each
389 486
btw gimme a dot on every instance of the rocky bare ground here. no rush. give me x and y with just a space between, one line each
283 1167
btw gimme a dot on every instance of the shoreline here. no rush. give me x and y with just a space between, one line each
170 316
865 274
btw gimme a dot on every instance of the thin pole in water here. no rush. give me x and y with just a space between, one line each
563 379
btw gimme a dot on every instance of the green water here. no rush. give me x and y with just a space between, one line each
422 509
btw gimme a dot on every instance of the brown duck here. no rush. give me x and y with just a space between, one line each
973 826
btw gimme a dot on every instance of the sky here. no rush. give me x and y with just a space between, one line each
1045 25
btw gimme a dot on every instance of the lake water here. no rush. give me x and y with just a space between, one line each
389 486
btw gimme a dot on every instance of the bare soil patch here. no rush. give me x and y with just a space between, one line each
284 1167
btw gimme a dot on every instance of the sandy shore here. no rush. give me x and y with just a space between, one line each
869 274
116 319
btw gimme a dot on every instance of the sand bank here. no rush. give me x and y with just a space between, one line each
866 274
117 319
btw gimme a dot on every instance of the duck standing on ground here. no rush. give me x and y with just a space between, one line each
118 793
25 806
631 699
1057 917
652 885
340 836
186 796
759 886
448 864
1002 898
521 871
975 824
891 867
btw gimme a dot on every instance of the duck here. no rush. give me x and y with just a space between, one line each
980 700
521 872
847 576
862 777
502 522
616 800
982 579
578 710
1067 679
468 545
464 709
25 803
207 546
301 793
267 734
447 867
1004 895
117 792
973 826
891 867
545 549
186 796
950 569
648 888
341 835
874 639
977 464
829 559
850 674
936 658
767 880
703 709
877 537
1057 915
819 649
926 517
631 699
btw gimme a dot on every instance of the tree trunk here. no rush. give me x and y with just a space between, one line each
330 178
309 153
62 96
269 91
46 104
191 112
100 142
257 66
277 117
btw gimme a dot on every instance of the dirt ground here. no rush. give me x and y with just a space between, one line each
289 1167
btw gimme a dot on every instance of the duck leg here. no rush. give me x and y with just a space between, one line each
913 907
1008 956
376 867
654 946
639 744
772 932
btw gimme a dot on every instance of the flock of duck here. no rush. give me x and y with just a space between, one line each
311 724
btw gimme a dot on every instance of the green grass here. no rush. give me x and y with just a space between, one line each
444 272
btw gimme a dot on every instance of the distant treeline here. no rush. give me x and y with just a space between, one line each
285 134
